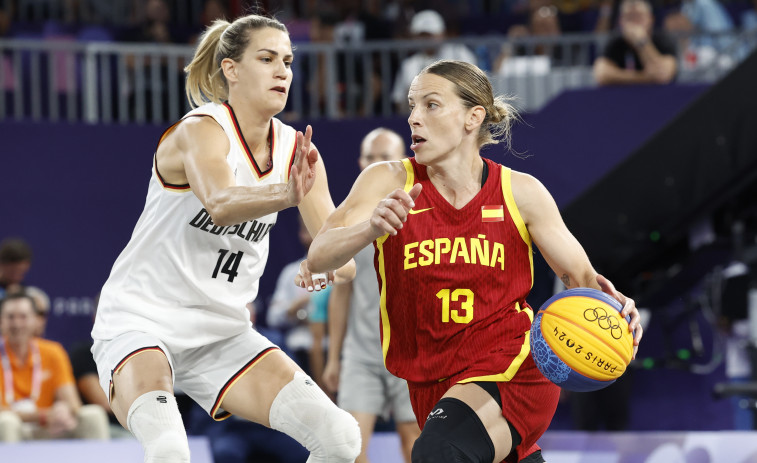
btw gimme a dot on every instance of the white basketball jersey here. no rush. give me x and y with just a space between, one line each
181 277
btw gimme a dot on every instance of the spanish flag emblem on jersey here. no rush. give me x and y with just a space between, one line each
492 213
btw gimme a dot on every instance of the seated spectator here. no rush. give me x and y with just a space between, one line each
426 24
15 262
42 305
537 59
749 18
637 55
39 399
317 323
707 15
290 308
88 383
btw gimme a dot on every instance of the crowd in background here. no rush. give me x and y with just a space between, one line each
175 21
532 36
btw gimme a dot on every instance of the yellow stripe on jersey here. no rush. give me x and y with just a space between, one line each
410 177
525 348
507 192
382 301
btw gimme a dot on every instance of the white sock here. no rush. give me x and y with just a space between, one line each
155 421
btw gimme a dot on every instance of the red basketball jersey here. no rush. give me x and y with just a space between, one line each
453 284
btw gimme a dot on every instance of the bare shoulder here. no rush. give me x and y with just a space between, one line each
530 195
193 138
524 185
199 131
384 177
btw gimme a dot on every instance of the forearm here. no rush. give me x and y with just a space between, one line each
335 247
339 306
648 53
610 75
239 204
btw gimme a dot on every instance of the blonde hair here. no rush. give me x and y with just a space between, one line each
474 88
221 40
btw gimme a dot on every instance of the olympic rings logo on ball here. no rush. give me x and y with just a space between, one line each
604 321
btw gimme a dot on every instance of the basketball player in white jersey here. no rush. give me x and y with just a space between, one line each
355 364
173 309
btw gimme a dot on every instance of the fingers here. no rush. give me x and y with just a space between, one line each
303 147
415 191
629 310
312 281
332 277
392 211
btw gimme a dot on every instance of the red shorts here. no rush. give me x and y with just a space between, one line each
529 401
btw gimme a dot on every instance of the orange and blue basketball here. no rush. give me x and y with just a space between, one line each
579 341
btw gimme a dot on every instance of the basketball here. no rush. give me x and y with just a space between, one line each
579 341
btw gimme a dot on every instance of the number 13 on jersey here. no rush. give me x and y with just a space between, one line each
464 314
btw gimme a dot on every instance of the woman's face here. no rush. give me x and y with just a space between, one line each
264 74
437 117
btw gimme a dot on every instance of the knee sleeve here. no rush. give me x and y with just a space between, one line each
155 421
302 411
453 433
10 427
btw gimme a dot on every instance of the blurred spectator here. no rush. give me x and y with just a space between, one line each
700 53
15 262
88 383
42 307
707 15
156 29
711 21
749 17
607 13
536 58
355 366
212 10
6 14
637 55
317 323
39 399
290 308
426 25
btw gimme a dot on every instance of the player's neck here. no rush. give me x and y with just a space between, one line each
457 178
254 127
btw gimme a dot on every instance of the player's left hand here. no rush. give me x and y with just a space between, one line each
629 309
312 281
302 174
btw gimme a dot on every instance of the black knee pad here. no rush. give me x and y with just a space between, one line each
453 433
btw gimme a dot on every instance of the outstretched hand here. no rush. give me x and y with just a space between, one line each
302 175
629 309
392 211
312 281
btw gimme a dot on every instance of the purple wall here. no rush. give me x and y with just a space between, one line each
75 191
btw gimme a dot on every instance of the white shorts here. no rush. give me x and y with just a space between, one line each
204 373
372 389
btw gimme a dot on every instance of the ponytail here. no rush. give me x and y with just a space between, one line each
205 80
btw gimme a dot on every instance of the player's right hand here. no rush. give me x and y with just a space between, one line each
312 281
392 211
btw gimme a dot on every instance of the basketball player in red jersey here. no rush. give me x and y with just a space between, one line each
453 234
